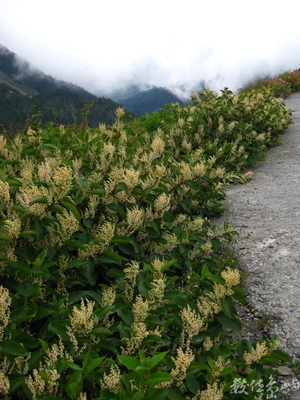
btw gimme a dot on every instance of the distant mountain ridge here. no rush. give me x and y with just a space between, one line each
149 101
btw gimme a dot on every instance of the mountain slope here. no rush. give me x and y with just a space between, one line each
21 86
31 80
149 101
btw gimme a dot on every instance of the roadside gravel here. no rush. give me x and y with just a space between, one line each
266 213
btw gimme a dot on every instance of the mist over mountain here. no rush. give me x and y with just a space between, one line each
60 102
22 86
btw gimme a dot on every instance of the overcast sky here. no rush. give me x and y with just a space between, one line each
104 44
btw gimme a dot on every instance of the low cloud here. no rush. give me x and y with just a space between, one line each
105 47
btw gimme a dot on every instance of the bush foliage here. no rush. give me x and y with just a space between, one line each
114 282
280 86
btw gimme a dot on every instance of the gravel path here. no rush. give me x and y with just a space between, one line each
266 213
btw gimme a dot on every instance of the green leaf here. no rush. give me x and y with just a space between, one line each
56 208
156 359
228 307
205 272
44 271
59 329
157 394
156 226
167 265
137 396
153 341
14 182
281 355
40 258
216 278
18 265
23 314
28 232
158 377
142 357
110 257
121 239
28 289
42 313
88 271
38 227
27 340
99 192
82 294
122 186
216 244
130 363
227 370
38 200
114 272
9 162
76 263
74 367
30 151
71 207
93 364
231 323
95 140
192 383
239 294
124 330
19 208
15 384
112 345
27 214
88 223
101 330
44 345
175 295
5 237
174 393
198 367
118 209
10 347
73 244
74 385
132 248
186 205
126 315
125 116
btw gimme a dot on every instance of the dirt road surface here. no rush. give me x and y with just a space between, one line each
266 213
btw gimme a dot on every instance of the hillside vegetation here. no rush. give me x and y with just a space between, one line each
114 283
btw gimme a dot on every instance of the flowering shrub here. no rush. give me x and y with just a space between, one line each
113 279
279 86
293 79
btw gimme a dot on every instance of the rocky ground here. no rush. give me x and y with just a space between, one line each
266 213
